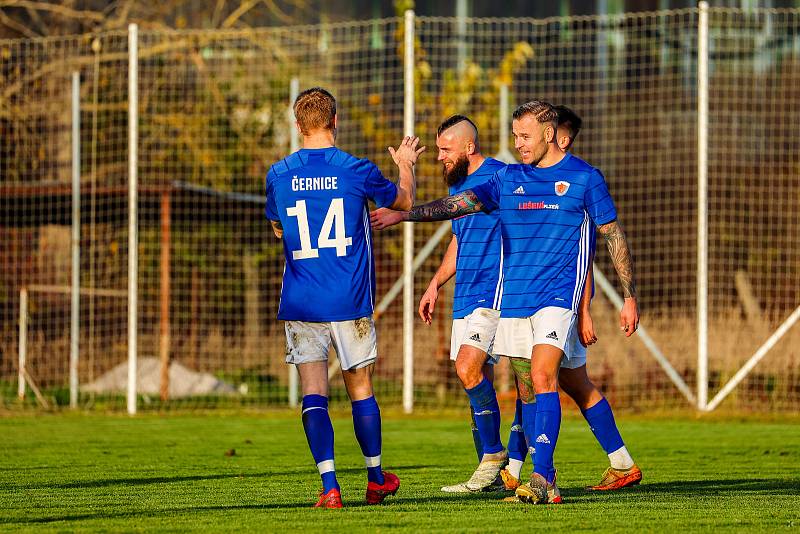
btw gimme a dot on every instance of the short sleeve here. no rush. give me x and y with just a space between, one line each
377 188
598 201
489 192
271 208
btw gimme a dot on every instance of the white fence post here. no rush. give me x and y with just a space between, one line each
702 207
133 220
76 242
503 153
408 228
294 146
23 340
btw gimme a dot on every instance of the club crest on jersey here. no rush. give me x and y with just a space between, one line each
561 188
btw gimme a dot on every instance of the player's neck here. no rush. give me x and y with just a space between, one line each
320 139
553 156
475 162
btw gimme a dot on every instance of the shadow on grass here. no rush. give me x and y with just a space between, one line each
305 505
695 487
143 481
689 487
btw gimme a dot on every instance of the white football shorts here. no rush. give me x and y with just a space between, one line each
574 351
355 342
516 337
476 330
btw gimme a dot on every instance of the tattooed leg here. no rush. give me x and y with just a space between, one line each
522 372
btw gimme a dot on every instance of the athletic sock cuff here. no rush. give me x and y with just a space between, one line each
366 406
482 395
315 401
599 408
548 402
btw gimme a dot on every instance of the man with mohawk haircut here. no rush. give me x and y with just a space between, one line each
547 208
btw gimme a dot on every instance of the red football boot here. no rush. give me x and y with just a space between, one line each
376 493
332 499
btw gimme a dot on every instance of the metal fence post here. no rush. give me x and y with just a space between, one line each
294 146
133 231
76 242
702 206
408 227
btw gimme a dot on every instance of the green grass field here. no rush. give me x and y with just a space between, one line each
170 473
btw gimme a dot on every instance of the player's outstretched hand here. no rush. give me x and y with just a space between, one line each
586 331
407 152
629 317
428 302
384 218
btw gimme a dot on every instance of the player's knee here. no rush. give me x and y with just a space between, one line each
543 381
470 374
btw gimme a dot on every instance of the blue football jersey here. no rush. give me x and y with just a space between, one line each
479 257
320 198
548 217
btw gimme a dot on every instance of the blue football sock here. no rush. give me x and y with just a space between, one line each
529 426
319 432
367 424
517 446
483 400
604 427
476 435
548 423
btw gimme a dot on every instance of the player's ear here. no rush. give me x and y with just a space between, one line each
299 129
335 122
549 133
470 148
564 142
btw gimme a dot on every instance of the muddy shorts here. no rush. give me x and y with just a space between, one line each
355 342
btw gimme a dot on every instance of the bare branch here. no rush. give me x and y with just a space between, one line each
17 26
278 12
54 8
239 13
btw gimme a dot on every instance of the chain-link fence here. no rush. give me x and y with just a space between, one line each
213 117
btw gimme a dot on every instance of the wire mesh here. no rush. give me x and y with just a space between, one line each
213 117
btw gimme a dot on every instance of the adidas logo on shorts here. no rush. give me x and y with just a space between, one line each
552 335
475 337
519 191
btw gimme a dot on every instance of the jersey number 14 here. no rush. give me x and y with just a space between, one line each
334 221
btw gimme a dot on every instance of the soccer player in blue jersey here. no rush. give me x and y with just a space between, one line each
474 257
547 207
573 377
317 203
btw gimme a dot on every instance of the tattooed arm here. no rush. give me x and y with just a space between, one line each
623 264
438 210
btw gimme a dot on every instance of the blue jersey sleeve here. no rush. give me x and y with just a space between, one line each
271 208
489 192
378 189
598 201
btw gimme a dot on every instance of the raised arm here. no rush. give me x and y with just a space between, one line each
444 273
623 264
439 210
405 157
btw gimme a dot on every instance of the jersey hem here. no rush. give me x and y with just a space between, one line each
326 319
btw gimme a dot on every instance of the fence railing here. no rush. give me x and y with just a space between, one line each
693 115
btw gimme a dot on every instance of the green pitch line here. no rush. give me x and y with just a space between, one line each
113 473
